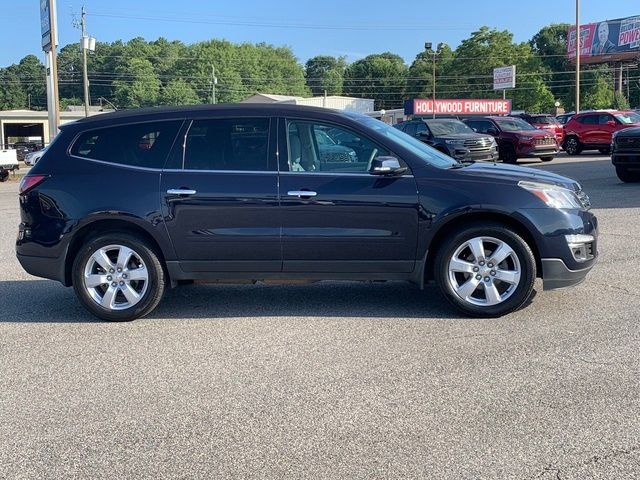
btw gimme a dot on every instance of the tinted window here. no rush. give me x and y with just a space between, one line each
481 126
140 145
318 148
603 119
410 129
589 119
228 144
421 127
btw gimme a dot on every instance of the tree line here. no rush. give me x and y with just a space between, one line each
142 73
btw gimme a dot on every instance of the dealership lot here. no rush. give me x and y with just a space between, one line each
334 380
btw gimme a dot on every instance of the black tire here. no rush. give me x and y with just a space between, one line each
605 151
155 272
627 175
572 145
547 159
507 153
523 289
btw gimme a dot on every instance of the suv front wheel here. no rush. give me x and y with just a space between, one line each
118 277
486 270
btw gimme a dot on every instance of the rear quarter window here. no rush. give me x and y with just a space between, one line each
137 145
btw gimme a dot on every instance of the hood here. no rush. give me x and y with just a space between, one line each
513 173
630 131
463 136
537 133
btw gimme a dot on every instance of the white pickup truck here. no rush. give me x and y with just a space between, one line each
8 162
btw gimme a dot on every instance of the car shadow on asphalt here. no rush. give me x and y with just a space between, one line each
44 301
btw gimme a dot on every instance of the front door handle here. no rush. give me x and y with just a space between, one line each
180 191
301 193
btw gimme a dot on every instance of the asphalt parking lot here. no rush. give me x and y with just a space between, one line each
333 380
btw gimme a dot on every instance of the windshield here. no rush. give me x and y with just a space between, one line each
513 124
544 120
426 153
627 118
441 128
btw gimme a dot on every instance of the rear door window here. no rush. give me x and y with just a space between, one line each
137 145
589 119
228 144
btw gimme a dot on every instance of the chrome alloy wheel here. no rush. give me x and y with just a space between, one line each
484 271
115 277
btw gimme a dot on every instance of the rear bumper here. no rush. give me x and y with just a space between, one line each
44 267
556 274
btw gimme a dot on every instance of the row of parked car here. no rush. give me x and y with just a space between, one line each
509 138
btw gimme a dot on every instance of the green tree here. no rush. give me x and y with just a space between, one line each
325 72
178 92
381 77
137 84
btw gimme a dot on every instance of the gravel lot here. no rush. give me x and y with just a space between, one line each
333 380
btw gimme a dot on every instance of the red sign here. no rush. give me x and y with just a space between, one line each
462 107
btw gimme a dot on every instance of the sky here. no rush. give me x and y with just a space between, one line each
353 29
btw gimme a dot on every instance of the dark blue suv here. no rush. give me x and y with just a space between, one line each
124 205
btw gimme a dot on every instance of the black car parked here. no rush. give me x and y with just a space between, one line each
452 137
625 154
124 204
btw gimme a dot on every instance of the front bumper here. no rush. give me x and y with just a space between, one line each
462 154
626 159
537 150
556 274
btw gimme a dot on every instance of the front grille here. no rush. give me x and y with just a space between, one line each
544 141
479 146
628 142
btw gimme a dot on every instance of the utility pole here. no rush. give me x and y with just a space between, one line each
49 39
214 82
578 56
433 80
85 75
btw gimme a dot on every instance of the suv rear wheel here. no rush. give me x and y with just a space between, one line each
573 146
627 175
118 277
486 270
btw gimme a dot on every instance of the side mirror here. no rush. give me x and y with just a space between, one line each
386 166
424 134
493 132
611 123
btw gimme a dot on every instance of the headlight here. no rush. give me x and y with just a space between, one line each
454 142
352 153
553 195
525 138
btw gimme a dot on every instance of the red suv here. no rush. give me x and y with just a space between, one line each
594 130
547 123
516 138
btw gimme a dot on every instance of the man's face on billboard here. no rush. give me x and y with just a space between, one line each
603 32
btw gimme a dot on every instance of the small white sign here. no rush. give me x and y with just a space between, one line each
504 77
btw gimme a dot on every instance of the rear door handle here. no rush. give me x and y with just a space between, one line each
301 193
180 191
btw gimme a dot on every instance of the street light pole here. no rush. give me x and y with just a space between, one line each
85 75
578 56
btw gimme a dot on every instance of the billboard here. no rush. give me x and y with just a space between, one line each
45 24
504 77
608 41
457 107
